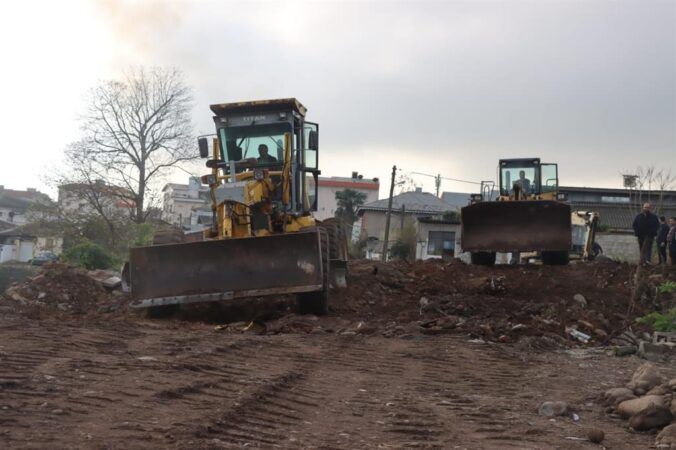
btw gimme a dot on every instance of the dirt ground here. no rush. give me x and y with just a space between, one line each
384 370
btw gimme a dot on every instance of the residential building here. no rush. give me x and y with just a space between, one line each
80 198
329 186
24 242
180 201
15 205
437 224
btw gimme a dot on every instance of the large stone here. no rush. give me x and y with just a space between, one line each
673 407
615 396
672 384
579 298
595 435
662 389
667 437
650 418
551 409
645 378
629 408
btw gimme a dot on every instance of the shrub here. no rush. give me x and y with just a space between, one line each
88 255
667 287
661 321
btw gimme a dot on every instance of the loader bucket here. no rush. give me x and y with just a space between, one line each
225 269
516 226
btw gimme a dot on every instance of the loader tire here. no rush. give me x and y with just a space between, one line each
483 258
552 258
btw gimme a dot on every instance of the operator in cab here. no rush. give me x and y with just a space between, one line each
264 157
523 182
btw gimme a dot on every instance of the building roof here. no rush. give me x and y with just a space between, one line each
415 202
616 191
20 200
30 230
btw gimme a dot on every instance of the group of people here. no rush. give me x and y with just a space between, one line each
648 228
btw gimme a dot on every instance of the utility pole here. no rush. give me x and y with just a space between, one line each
383 256
437 182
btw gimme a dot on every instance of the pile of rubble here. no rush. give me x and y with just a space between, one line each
648 402
63 288
585 303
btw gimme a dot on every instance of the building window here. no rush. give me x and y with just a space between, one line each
49 244
441 243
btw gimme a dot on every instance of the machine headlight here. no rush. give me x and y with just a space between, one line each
259 174
476 198
562 197
208 179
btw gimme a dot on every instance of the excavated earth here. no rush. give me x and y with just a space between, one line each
426 355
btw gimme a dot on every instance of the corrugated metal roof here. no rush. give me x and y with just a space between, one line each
414 202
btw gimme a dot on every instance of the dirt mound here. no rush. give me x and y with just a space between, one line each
63 288
500 303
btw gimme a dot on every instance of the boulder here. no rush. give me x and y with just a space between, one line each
672 384
629 408
551 409
615 396
595 435
662 389
673 407
645 378
650 418
667 437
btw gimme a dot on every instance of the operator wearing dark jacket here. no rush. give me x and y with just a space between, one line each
646 226
662 233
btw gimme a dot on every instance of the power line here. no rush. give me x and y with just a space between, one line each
446 178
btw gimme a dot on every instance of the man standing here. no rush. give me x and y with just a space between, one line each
646 226
671 240
662 233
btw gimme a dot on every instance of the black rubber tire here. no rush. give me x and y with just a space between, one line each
316 303
483 258
560 258
161 312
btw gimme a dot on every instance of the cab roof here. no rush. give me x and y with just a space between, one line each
282 104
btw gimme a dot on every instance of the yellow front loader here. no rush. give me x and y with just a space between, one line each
263 239
529 215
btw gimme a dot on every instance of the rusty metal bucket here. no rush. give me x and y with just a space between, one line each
516 226
225 269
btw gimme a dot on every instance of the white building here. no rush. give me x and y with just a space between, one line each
180 201
15 205
79 198
328 186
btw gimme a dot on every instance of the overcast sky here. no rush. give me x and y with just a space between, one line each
447 87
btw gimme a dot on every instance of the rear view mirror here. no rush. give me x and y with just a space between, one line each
313 139
204 147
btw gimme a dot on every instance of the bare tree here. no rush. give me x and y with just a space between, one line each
651 184
135 130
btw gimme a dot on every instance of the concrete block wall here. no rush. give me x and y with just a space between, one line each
620 246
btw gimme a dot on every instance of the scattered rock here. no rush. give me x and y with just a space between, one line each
551 409
596 436
625 350
654 352
646 377
615 396
650 418
662 389
672 384
579 298
629 408
112 282
667 437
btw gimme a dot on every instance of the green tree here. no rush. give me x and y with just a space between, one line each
404 247
349 201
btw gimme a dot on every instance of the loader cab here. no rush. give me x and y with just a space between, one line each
527 178
254 132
